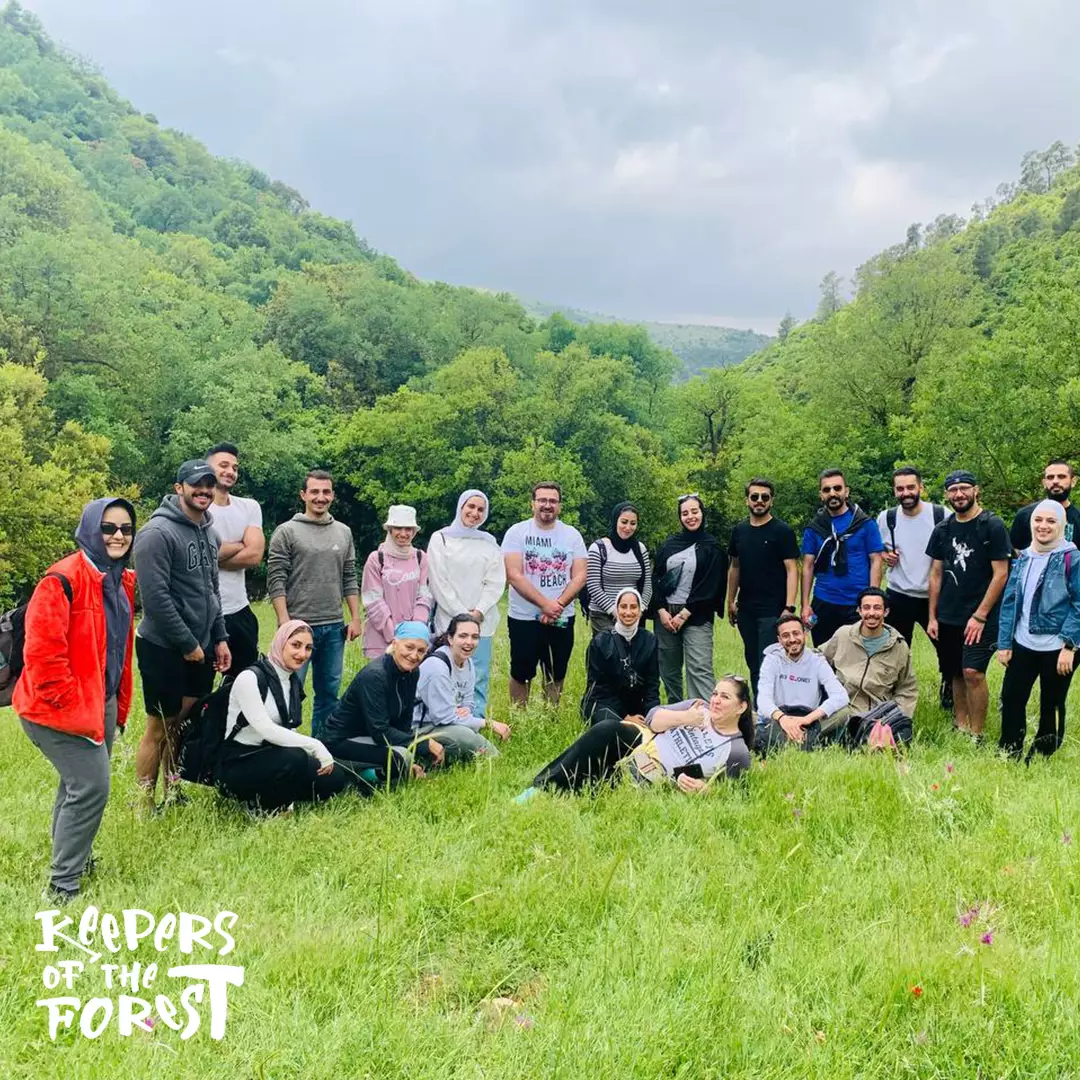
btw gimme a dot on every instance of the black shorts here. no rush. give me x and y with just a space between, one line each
533 642
954 657
167 678
243 629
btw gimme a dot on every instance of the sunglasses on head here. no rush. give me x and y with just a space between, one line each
110 528
759 496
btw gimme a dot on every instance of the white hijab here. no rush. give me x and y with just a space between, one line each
627 632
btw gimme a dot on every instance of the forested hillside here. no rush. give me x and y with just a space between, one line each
698 346
154 299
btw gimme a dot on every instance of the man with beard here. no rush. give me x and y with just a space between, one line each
181 639
546 563
872 660
841 556
801 701
763 574
970 552
1058 480
906 530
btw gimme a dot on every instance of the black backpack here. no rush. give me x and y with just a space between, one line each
202 737
889 715
602 548
890 520
13 641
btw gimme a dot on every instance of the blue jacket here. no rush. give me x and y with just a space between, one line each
1055 608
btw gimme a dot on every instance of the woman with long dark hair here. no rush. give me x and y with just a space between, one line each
616 561
74 691
622 668
1038 631
688 743
445 708
690 578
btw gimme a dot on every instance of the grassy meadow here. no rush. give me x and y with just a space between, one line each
828 916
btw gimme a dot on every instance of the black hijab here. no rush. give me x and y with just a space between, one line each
617 542
687 537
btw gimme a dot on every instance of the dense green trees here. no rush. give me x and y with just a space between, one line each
155 299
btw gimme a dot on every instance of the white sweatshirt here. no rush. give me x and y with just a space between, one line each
784 683
464 574
263 720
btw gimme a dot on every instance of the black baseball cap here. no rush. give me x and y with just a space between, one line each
191 472
960 476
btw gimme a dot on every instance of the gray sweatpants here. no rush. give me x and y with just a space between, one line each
81 797
694 646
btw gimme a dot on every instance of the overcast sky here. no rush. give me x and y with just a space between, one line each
644 158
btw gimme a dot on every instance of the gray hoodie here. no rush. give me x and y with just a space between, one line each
176 567
784 683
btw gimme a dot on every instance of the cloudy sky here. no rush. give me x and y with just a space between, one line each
688 158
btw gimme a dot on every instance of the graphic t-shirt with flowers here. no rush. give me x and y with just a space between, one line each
548 558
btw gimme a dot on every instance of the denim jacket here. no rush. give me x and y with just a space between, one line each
1055 608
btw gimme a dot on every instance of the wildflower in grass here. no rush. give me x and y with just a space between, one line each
950 767
789 795
916 991
988 938
934 787
920 1038
1066 838
968 917
820 1036
796 812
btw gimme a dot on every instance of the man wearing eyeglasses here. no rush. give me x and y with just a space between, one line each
970 552
841 556
763 574
546 562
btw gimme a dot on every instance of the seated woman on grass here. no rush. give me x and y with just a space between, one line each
445 694
688 743
623 669
372 724
265 762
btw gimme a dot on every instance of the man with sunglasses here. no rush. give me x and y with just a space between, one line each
181 640
841 556
763 574
970 552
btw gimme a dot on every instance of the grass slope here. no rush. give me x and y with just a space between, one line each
774 929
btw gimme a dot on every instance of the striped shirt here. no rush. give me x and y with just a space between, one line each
620 570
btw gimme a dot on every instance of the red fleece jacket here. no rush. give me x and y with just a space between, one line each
62 684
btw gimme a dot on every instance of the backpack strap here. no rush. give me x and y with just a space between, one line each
938 511
382 558
64 584
434 655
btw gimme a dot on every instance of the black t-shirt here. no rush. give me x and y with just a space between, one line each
761 551
1020 533
967 550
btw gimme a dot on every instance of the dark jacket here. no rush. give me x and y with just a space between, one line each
710 578
176 564
623 677
378 705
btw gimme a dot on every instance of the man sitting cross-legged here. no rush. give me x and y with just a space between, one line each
800 699
872 660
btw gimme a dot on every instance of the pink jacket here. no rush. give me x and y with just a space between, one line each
393 590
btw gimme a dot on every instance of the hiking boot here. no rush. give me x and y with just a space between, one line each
53 894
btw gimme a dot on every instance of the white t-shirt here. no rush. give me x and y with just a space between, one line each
911 575
548 558
229 523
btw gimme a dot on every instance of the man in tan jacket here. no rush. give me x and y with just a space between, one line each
872 659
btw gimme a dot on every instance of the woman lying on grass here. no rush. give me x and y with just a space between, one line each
689 743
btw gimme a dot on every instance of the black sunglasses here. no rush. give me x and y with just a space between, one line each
110 528
756 496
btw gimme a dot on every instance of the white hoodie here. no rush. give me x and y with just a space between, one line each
784 683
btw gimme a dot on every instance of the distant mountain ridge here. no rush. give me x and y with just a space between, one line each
698 346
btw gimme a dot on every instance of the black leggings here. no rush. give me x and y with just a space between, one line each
1024 668
270 777
382 759
592 757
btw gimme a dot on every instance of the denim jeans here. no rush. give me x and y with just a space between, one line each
327 662
481 659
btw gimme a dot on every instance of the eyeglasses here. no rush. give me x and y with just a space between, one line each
548 502
110 528
756 496
835 487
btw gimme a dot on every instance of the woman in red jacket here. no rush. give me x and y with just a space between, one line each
75 687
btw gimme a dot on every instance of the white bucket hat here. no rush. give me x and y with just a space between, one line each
401 517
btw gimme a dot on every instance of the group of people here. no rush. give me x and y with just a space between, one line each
427 621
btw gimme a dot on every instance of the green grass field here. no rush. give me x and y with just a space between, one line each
803 922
